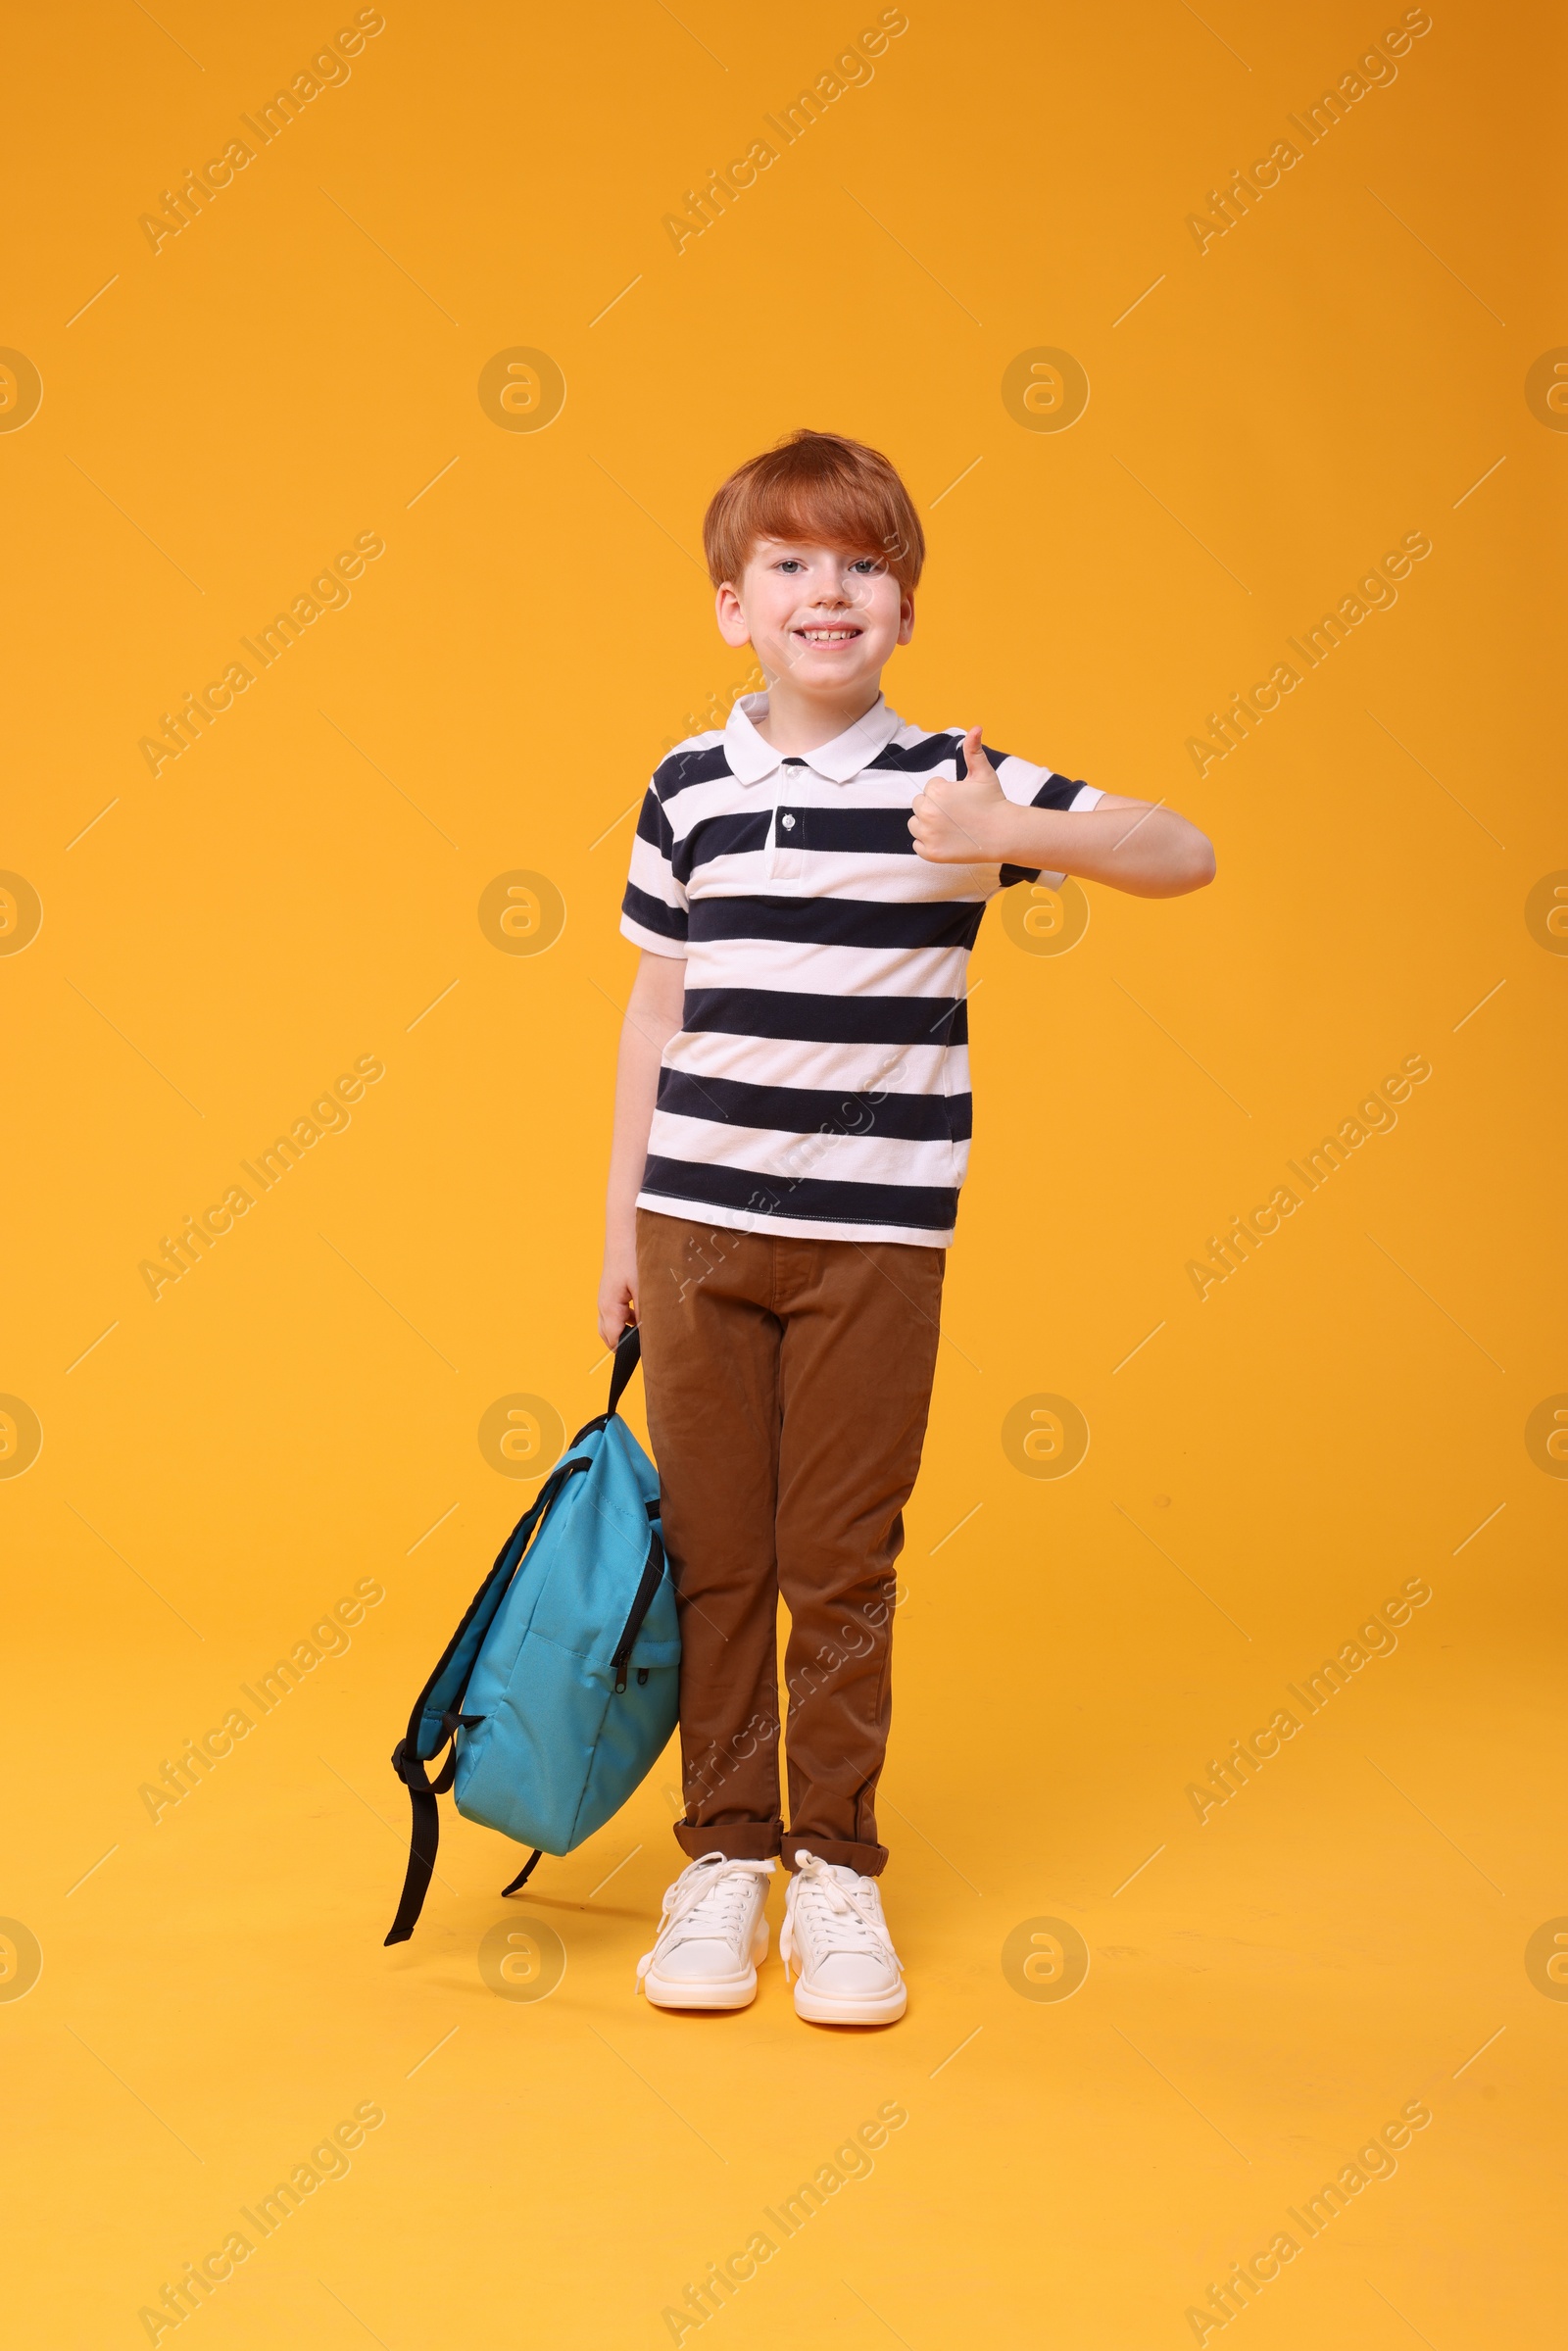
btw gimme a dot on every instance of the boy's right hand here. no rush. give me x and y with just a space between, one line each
618 1295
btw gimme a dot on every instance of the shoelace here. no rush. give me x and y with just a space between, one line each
712 1893
837 1917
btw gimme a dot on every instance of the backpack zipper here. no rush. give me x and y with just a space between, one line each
647 1585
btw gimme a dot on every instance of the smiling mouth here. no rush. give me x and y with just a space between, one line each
828 636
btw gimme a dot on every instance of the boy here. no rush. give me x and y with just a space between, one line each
791 1130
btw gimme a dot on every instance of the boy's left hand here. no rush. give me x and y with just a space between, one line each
959 823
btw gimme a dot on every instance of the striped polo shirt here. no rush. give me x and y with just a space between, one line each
819 1085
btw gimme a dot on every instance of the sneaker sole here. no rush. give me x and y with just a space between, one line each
828 2008
666 1992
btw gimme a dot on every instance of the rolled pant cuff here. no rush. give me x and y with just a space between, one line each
869 1860
737 1840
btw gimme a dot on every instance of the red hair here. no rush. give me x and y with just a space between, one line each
814 486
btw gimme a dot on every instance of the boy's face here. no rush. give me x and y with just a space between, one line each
824 617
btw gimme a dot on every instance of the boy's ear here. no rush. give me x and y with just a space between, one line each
905 617
732 626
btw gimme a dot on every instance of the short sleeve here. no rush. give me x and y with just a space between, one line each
654 910
1031 787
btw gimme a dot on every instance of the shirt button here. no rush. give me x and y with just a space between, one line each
788 823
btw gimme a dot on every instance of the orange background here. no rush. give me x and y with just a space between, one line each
301 888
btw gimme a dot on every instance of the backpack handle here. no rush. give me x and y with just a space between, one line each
629 1354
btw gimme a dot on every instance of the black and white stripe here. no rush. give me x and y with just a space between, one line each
820 1082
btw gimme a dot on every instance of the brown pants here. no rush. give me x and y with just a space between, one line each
788 1383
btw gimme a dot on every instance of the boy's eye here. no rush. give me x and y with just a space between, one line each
791 563
866 562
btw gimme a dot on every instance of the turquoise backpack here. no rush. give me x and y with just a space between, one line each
561 1686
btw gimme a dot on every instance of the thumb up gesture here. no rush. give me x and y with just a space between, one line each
960 823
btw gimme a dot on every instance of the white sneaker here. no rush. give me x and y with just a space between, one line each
712 1936
847 1971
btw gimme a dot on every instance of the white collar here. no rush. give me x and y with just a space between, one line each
751 758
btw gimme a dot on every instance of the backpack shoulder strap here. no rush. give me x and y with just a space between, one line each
425 1834
411 1768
